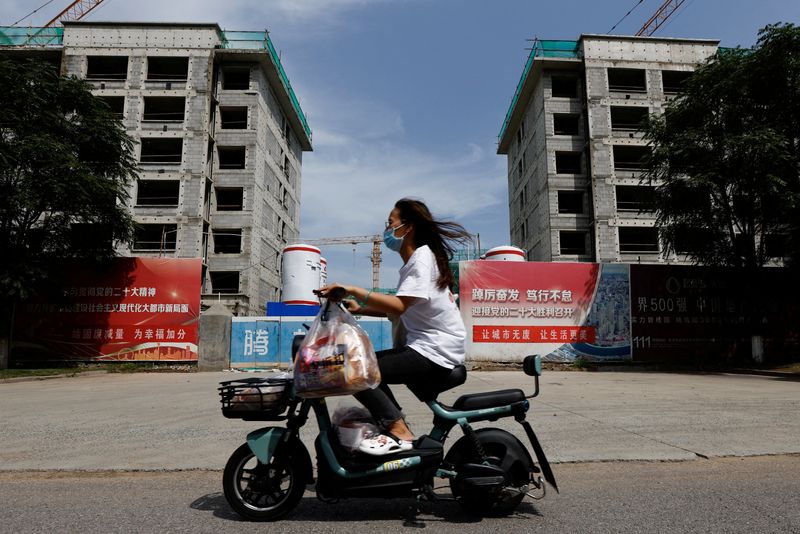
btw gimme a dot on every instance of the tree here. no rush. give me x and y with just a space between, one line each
726 156
65 166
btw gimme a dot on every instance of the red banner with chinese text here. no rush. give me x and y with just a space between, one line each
562 311
532 334
134 309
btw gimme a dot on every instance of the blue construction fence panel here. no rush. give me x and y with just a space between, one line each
267 341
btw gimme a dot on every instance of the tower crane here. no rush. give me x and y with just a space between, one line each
76 10
375 257
667 9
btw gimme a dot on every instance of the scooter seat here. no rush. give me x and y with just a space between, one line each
491 399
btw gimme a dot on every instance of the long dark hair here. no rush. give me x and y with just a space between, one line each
438 235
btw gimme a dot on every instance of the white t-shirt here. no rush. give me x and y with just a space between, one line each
433 323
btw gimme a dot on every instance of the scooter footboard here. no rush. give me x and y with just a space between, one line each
341 473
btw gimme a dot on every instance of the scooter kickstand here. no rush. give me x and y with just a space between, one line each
411 520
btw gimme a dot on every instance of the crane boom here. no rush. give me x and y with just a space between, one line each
667 9
75 11
375 257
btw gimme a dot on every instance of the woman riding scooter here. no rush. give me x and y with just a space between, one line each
436 337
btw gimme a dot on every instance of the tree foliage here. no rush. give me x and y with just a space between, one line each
726 156
65 164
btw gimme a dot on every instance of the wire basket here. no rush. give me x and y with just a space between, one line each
255 399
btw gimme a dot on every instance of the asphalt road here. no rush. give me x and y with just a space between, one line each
755 494
172 421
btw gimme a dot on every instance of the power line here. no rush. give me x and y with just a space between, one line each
626 15
32 12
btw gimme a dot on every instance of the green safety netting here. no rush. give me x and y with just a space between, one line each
261 41
19 36
541 49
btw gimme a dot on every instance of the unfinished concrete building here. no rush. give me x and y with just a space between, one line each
574 152
219 138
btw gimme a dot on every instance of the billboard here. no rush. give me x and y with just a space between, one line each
132 309
682 312
562 311
266 341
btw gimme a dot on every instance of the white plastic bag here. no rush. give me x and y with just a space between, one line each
336 357
353 425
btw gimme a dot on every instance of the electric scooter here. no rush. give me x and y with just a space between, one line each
490 471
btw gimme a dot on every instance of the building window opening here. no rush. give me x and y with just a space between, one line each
636 240
227 241
233 118
564 86
636 198
115 103
167 68
627 80
161 150
630 158
225 282
232 157
236 79
572 243
568 162
230 198
164 108
565 124
155 237
158 192
628 118
107 68
570 202
286 166
673 80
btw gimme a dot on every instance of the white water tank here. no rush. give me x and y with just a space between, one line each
505 253
300 274
323 272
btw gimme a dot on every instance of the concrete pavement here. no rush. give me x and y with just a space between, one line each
169 421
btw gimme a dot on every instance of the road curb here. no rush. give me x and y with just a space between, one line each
49 377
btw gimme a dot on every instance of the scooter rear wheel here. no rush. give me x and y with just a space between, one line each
261 492
504 451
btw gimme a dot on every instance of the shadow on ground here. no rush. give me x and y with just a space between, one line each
358 510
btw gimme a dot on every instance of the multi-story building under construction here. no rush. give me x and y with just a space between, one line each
219 139
574 150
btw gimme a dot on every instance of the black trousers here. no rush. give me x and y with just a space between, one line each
402 365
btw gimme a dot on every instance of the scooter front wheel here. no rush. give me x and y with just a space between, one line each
265 492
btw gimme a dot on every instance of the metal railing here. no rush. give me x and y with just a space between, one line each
245 40
540 49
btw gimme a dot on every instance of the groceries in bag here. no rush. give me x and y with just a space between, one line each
336 356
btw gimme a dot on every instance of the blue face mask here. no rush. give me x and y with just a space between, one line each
392 242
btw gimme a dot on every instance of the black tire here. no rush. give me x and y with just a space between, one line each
260 492
505 451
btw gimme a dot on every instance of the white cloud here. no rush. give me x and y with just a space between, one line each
362 163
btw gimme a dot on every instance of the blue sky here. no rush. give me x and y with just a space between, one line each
406 97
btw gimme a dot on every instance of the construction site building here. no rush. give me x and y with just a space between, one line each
574 149
219 136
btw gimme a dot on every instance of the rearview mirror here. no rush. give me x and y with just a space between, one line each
532 365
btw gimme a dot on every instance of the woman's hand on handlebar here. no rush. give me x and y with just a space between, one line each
334 292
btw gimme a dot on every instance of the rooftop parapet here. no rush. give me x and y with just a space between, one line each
257 41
